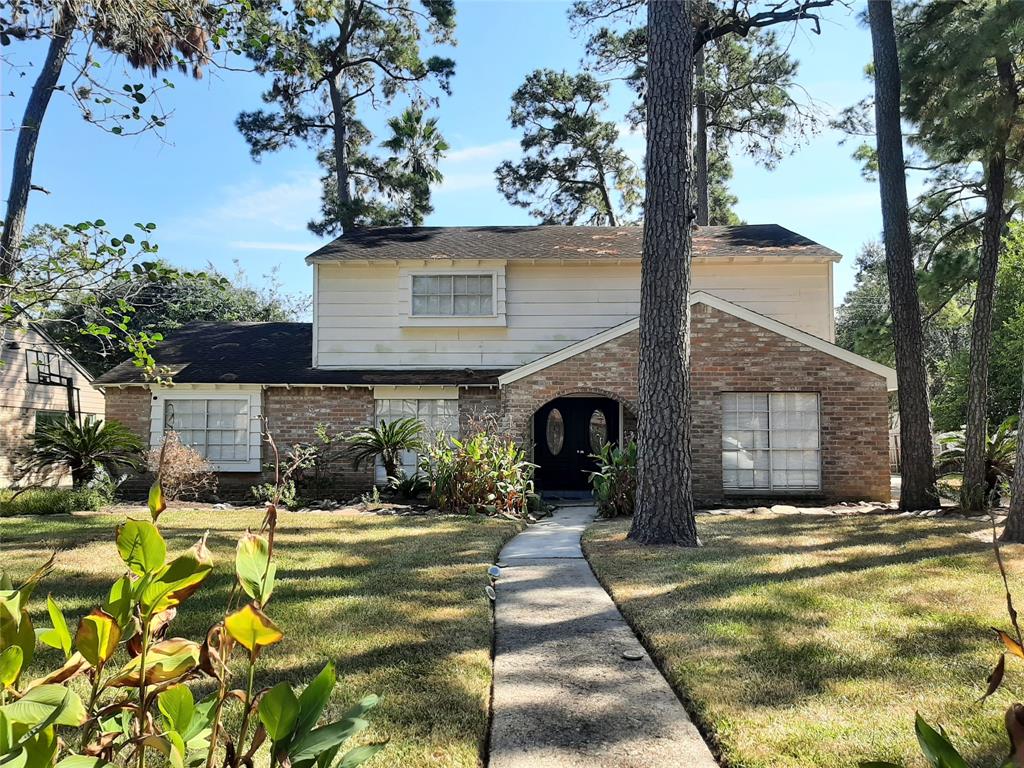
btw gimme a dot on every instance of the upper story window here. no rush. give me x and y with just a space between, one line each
452 295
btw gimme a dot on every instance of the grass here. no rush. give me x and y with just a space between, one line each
811 641
396 602
50 501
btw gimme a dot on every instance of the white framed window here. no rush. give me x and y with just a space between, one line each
771 441
453 295
45 419
437 415
217 428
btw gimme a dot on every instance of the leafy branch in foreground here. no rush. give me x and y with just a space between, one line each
138 696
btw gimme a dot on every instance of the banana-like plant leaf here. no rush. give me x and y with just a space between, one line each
73 667
141 546
25 638
182 577
177 706
279 711
97 637
157 502
359 755
119 602
254 569
83 761
936 747
10 665
313 699
59 636
252 628
53 703
165 661
326 737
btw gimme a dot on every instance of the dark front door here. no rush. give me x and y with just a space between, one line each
566 432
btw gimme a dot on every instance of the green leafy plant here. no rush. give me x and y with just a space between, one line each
486 473
408 486
138 700
84 449
614 484
286 494
1000 450
387 443
320 458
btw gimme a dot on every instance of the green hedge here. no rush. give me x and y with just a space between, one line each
51 501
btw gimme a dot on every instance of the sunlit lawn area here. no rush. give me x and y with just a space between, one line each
811 641
397 603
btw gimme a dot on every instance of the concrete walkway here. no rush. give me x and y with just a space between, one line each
565 693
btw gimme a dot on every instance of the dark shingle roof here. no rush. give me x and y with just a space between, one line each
559 242
268 353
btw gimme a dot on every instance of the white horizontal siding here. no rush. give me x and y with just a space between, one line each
546 308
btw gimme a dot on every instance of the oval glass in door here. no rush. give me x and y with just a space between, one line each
598 429
555 431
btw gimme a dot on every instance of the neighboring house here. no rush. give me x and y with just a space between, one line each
39 382
537 327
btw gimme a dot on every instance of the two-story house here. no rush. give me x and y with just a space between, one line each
536 327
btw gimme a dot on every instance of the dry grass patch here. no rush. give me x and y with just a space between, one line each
811 641
396 602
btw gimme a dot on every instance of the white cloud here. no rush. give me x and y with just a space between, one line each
498 149
285 205
259 245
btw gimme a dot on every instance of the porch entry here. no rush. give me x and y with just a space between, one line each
566 431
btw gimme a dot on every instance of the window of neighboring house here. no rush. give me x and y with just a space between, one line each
42 366
218 429
437 416
771 441
453 295
48 418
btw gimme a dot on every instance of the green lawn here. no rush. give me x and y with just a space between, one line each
397 603
811 641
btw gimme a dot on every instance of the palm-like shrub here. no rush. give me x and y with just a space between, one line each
83 449
386 442
614 484
1000 451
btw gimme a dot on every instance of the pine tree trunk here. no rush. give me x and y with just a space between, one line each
1014 530
25 149
916 461
664 508
974 492
339 97
700 151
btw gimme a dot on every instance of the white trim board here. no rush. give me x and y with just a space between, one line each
702 297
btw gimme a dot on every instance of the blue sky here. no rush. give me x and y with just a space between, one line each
213 204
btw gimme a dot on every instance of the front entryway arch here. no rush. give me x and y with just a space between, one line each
567 432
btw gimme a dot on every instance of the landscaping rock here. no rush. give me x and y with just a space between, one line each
785 509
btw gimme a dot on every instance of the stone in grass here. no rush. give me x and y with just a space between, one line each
785 509
632 655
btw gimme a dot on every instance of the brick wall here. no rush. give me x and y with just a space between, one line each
727 355
478 405
292 414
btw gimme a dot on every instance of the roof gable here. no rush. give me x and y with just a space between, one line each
710 300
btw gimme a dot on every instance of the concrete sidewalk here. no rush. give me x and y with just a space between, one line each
565 695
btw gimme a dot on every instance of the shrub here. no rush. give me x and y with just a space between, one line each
53 501
83 449
317 461
486 472
1000 450
614 484
283 494
185 474
408 486
125 692
387 443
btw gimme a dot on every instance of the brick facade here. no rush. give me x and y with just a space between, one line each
728 354
732 355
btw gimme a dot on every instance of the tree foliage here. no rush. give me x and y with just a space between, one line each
327 59
573 170
748 87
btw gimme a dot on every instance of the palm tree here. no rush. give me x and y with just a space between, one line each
85 448
1000 450
386 442
417 145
